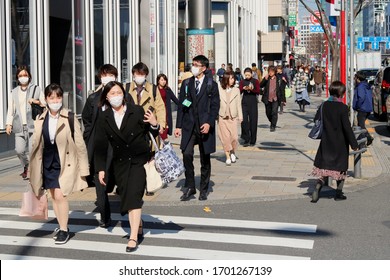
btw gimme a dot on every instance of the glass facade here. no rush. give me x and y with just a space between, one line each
67 41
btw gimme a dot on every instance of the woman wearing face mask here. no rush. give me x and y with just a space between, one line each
19 115
300 86
59 161
125 126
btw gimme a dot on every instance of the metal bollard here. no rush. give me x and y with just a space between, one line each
357 155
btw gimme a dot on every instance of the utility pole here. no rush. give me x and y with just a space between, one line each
343 52
352 56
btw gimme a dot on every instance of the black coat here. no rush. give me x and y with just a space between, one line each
337 136
170 96
265 84
204 109
131 151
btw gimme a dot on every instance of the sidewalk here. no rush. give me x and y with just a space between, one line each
276 168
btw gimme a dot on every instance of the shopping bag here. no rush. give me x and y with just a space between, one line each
153 178
167 163
34 207
287 92
316 130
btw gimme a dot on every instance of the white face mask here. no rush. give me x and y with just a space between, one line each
116 101
23 80
301 70
55 106
195 71
107 79
139 80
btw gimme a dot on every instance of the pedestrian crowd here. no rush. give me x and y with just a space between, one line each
119 119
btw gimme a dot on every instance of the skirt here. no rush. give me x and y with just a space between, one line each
334 174
228 133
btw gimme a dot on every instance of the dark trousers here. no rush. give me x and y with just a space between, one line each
361 120
102 201
188 160
271 110
250 115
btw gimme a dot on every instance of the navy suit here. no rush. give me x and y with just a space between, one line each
203 109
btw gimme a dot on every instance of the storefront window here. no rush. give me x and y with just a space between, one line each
20 34
98 36
124 40
163 36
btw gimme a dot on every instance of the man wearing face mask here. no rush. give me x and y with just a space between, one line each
195 123
147 95
142 93
90 114
19 115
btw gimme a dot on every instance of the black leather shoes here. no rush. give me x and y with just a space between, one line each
187 195
203 196
132 249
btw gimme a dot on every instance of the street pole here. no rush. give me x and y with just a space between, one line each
343 53
352 57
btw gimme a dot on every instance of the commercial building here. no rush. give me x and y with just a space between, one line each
67 41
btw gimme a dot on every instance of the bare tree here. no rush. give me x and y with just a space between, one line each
323 19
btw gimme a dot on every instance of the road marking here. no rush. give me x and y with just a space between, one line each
229 223
181 234
144 250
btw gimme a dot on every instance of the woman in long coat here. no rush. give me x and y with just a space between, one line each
230 115
167 95
59 162
332 155
125 126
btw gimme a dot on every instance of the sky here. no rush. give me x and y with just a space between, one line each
303 11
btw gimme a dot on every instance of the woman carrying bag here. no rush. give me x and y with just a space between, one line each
332 155
59 160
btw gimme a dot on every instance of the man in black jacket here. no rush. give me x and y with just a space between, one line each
196 116
272 95
91 110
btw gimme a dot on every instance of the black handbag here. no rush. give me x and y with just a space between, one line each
316 131
36 110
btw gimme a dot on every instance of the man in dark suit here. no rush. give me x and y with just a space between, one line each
107 73
196 115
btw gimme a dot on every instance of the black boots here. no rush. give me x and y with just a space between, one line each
339 192
340 195
315 196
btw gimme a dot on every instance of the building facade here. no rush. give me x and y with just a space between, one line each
274 43
67 41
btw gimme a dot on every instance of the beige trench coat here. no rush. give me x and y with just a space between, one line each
234 103
73 156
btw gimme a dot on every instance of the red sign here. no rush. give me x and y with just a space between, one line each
313 19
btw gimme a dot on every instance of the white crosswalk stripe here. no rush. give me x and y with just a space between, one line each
176 228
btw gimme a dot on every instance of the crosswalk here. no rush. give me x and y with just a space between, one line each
166 237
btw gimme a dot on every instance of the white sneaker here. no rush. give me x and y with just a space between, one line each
228 162
233 158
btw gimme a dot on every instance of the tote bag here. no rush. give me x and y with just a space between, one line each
34 207
316 131
153 178
287 92
167 162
